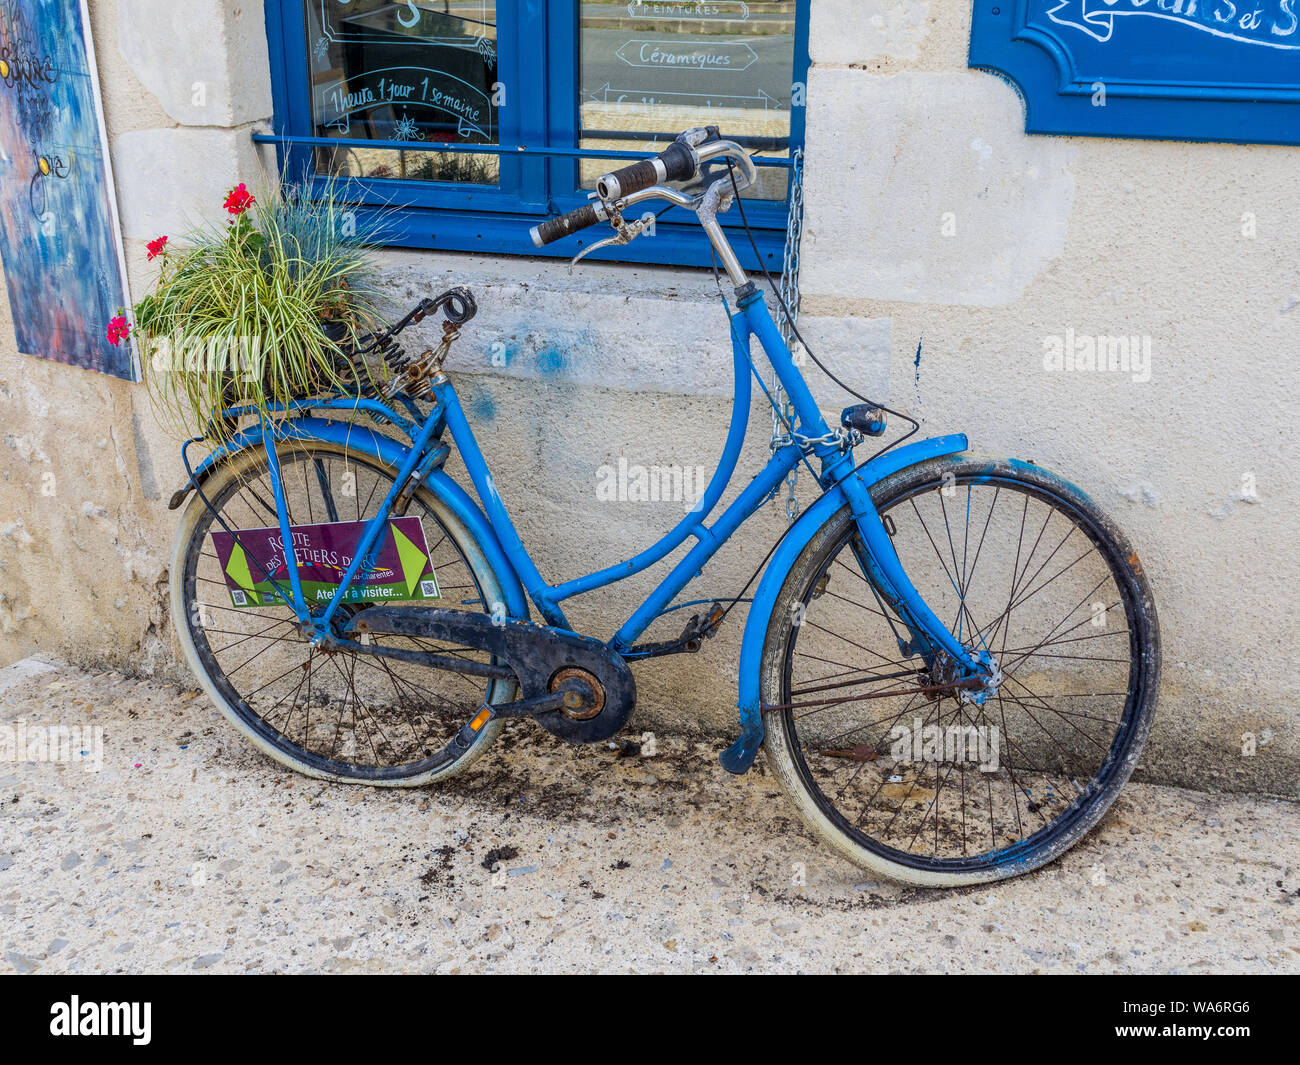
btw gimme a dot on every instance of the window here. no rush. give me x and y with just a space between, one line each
477 119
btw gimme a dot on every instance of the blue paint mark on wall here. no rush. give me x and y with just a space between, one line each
58 226
1215 70
552 362
916 377
549 350
483 407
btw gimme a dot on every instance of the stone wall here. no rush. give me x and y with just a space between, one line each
944 250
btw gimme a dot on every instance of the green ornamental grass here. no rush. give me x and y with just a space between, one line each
261 310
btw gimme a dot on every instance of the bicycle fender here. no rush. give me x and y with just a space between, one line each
740 755
393 453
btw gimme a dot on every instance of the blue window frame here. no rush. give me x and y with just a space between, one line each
477 119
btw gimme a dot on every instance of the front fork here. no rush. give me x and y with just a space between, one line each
927 635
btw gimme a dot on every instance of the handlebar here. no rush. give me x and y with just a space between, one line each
680 161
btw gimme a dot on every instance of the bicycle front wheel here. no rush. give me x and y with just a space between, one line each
936 787
331 714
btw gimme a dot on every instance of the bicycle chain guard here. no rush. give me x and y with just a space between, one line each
541 658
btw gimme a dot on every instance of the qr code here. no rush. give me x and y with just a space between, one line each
239 597
429 589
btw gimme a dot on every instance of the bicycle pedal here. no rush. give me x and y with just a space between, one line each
709 626
699 629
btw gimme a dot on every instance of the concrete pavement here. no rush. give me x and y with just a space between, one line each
187 851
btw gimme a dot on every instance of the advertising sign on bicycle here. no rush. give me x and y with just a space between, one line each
399 566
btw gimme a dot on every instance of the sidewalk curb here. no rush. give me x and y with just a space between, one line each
24 669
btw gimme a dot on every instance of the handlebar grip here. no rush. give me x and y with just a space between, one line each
561 226
674 163
628 179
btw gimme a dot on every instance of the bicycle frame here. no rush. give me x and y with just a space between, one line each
751 319
844 483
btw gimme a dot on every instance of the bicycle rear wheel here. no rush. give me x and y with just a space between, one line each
334 715
933 788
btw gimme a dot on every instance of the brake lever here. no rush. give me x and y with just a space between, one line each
626 232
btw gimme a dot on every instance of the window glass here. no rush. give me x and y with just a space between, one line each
390 86
652 69
416 70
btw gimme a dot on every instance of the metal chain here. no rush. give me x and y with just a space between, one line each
782 408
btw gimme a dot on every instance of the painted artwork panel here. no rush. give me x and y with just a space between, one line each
58 217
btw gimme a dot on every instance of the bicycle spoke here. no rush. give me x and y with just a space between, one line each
326 490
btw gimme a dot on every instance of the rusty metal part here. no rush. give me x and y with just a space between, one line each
419 374
588 689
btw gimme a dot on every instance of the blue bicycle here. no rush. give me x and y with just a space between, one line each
952 661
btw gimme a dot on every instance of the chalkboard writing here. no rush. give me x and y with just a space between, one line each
401 71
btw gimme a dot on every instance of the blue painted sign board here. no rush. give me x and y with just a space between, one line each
1205 70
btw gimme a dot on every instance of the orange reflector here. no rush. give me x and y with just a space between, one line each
480 719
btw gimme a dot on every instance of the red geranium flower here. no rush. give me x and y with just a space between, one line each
118 330
156 247
239 200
